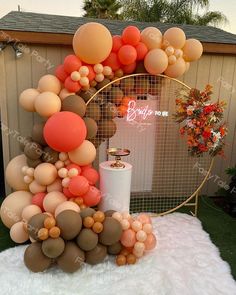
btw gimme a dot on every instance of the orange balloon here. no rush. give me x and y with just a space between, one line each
131 35
156 61
128 238
176 70
175 37
142 50
192 50
92 43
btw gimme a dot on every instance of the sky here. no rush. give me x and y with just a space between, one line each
74 8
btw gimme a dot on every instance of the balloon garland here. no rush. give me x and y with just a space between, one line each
53 180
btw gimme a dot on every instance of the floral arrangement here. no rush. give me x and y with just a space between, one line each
202 122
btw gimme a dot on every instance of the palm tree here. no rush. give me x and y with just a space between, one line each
102 9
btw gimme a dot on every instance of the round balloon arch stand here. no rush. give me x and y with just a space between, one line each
192 201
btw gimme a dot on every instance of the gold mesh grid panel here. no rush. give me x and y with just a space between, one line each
136 112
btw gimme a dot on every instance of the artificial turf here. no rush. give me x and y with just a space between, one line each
220 226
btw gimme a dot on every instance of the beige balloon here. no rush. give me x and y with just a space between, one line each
12 207
14 175
35 187
49 83
68 205
27 99
30 211
156 61
45 173
18 233
47 103
85 154
64 93
55 186
175 37
176 70
192 50
151 37
52 200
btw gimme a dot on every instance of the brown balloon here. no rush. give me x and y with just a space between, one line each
71 259
140 69
109 111
49 155
97 255
116 95
106 129
86 95
92 127
34 258
102 84
37 133
93 111
70 224
33 163
53 248
111 233
35 224
87 212
33 150
24 141
109 213
114 249
74 104
87 239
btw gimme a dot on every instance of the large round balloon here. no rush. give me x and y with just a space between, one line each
83 155
151 37
65 131
175 37
27 99
12 207
156 61
192 50
176 70
47 103
14 175
92 43
45 173
49 83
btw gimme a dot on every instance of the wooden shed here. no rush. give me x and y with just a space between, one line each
46 39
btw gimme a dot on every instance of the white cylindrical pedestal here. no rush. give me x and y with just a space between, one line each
115 186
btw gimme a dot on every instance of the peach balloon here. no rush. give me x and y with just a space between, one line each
27 99
18 233
30 211
137 253
128 238
147 228
176 70
156 61
84 154
52 200
47 103
45 173
175 37
68 205
12 207
144 218
55 186
192 50
49 83
35 187
139 247
136 225
64 93
151 37
92 43
14 175
150 242
141 236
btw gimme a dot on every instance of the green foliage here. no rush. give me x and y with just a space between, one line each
108 9
231 171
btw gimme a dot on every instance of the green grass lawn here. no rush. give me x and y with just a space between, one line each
220 226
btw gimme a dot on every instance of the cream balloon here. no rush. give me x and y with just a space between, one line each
45 173
49 83
156 61
64 93
85 154
176 70
192 50
175 37
14 175
151 37
35 187
18 233
27 99
55 186
52 200
47 103
68 205
30 211
12 207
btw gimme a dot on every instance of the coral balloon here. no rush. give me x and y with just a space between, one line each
49 83
91 175
176 70
27 99
12 207
18 233
52 200
142 50
192 50
65 131
112 61
83 155
150 242
175 37
151 37
29 211
14 175
37 200
60 73
127 54
47 103
92 197
71 85
92 43
156 61
129 69
67 206
78 185
128 238
91 75
117 43
72 63
131 35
